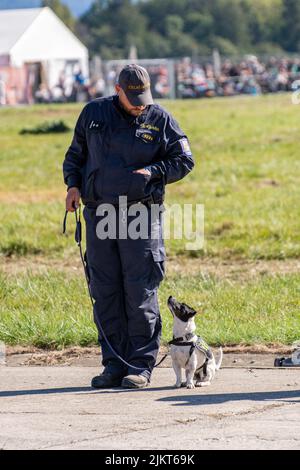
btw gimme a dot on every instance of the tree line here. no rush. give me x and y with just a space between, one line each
176 28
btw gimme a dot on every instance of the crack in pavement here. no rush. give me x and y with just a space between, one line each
249 411
177 422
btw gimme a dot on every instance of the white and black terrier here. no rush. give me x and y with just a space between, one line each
188 351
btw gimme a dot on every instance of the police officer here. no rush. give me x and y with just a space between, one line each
125 145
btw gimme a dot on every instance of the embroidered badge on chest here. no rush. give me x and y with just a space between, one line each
145 136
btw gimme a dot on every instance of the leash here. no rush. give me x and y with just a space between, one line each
78 239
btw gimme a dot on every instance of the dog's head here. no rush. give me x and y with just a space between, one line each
180 310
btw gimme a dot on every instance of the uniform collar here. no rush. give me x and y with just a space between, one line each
128 117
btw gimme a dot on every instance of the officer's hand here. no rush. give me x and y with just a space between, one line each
73 198
143 171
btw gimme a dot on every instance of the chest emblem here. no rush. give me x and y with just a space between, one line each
95 125
145 135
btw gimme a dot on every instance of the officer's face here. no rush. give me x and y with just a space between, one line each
133 110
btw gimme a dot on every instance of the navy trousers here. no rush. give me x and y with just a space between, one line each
124 278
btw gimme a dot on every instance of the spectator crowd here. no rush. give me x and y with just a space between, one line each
190 79
197 79
70 88
249 76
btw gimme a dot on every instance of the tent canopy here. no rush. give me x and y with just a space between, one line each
13 24
37 34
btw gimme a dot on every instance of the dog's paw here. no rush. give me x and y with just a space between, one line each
202 384
177 385
190 386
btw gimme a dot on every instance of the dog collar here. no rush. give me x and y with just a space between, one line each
183 340
186 341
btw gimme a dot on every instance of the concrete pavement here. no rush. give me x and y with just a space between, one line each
54 408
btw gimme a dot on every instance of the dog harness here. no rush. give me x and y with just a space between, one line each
199 344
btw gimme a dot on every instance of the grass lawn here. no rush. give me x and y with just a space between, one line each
247 175
46 311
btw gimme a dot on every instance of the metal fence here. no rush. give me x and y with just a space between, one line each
212 76
161 71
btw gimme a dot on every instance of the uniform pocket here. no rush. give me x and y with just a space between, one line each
97 184
158 253
115 181
138 186
87 190
146 136
146 146
96 138
159 257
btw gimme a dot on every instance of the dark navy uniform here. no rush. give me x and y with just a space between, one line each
108 145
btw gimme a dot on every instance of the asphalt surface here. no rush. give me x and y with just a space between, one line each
55 408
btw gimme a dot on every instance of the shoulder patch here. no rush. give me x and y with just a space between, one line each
185 146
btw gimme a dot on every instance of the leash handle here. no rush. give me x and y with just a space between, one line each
78 231
65 220
65 223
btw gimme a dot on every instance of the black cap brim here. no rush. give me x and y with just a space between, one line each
140 99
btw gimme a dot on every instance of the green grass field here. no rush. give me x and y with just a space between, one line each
247 175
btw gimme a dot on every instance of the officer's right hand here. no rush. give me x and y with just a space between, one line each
72 199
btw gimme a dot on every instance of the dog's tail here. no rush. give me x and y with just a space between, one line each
218 364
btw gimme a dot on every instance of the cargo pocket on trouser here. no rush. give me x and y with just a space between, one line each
159 257
108 307
141 297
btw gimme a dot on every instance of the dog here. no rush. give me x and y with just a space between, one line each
188 351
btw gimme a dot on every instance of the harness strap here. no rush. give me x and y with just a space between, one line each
192 349
181 343
194 345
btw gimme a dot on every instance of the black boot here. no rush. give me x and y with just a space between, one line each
106 380
135 381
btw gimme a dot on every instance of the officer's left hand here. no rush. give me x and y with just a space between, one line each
143 171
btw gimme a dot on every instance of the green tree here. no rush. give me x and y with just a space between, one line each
62 11
156 12
199 25
264 20
231 22
173 25
112 26
170 28
181 44
290 37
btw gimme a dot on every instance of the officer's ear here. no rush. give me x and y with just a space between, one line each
117 88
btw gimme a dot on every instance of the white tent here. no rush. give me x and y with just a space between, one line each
37 36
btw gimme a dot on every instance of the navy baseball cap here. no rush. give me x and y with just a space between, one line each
135 82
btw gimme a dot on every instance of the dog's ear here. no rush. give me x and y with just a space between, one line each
189 311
